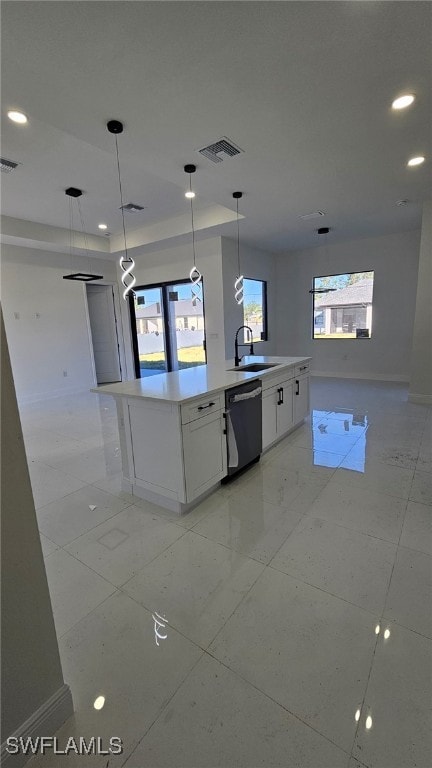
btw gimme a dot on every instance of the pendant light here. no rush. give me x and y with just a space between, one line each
85 277
323 231
126 262
238 283
195 275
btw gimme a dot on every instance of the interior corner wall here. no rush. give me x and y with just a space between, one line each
421 359
386 355
46 321
257 265
174 264
31 670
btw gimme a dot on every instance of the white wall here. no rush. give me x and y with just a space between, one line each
421 361
257 265
174 264
31 670
394 258
42 348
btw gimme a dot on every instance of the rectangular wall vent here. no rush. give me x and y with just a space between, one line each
6 166
313 215
132 207
220 150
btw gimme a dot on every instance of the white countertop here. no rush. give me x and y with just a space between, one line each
181 386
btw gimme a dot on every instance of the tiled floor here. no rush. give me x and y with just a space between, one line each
296 599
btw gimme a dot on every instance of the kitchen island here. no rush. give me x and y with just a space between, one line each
173 426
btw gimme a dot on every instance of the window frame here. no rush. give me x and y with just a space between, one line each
164 298
264 333
337 274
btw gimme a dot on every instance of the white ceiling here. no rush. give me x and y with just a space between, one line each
304 88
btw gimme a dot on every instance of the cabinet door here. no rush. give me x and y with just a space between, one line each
204 450
301 398
269 408
284 413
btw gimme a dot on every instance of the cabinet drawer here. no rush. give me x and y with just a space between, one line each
201 407
300 370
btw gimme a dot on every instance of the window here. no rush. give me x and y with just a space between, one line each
168 330
255 308
342 306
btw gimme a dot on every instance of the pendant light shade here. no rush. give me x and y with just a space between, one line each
85 277
127 264
195 275
238 283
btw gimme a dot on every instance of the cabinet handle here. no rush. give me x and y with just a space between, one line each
303 367
203 407
298 387
224 431
282 396
279 401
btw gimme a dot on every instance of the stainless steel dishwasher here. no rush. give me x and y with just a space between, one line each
243 414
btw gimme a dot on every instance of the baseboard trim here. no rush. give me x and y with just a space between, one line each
420 399
44 722
402 378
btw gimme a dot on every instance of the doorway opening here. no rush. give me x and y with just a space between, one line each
168 330
104 333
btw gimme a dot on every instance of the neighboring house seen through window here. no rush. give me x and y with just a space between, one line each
342 306
255 308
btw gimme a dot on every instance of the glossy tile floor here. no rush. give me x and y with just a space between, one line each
293 605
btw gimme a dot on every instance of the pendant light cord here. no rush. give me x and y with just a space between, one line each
70 228
238 239
192 222
127 258
82 226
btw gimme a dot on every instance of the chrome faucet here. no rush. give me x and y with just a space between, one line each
237 359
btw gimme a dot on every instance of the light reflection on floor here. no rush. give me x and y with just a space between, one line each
341 422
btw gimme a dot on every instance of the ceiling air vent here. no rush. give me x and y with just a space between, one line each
132 207
313 215
6 166
220 150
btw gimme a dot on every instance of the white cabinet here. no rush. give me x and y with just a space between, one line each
301 398
204 451
285 404
154 438
277 411
269 408
172 453
284 412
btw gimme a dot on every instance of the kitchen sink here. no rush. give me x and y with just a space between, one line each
254 367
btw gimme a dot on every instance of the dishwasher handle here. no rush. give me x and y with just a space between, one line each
245 395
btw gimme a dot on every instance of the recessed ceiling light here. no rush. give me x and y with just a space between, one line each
103 226
189 194
416 160
17 117
403 101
